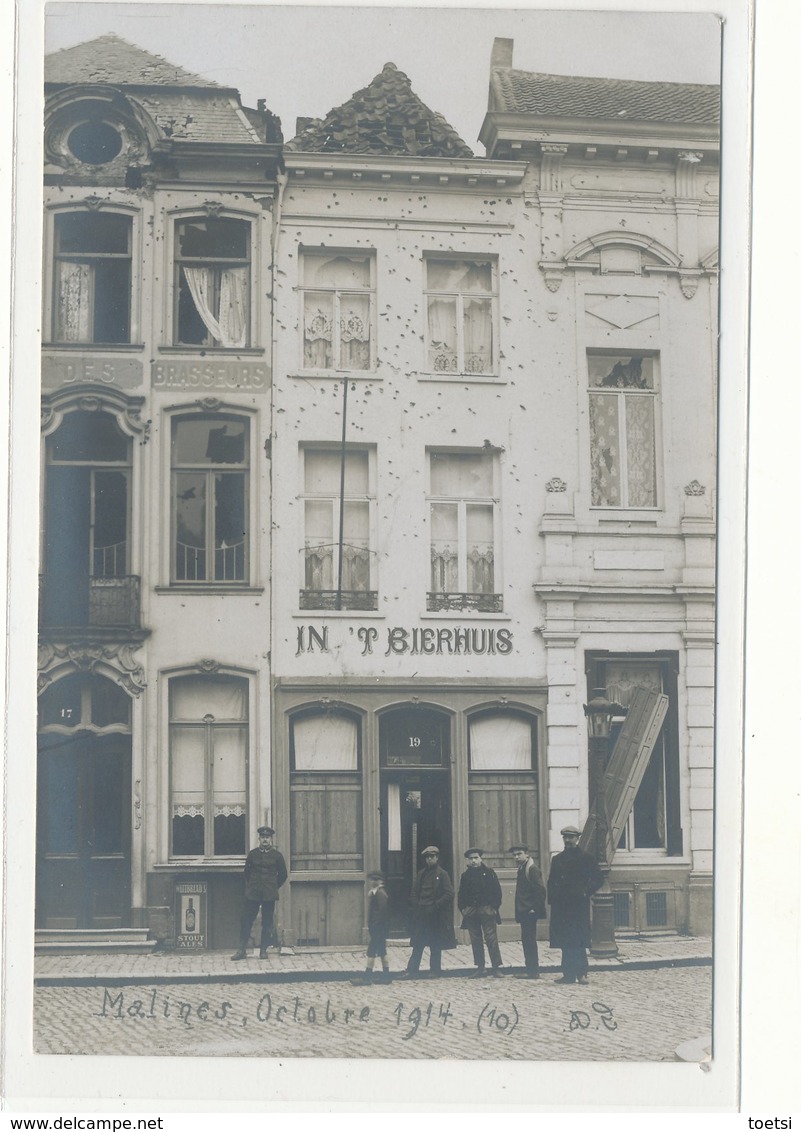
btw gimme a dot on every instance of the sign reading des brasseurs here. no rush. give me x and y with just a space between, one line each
427 641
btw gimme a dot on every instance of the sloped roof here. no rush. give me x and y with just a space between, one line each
109 59
385 117
567 96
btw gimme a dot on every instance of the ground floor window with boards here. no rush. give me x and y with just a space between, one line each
369 778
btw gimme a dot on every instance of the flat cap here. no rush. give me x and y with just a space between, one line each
470 852
430 849
267 830
570 829
518 848
375 876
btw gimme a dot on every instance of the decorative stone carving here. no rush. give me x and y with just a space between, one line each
695 488
119 658
551 167
138 804
94 202
552 273
209 404
556 484
93 399
688 281
685 172
209 665
212 207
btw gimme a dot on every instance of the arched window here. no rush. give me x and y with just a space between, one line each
86 552
326 791
502 783
212 282
92 277
208 765
210 480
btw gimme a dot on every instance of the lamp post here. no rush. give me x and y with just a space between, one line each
600 712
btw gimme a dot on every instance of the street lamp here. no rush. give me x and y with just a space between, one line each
600 712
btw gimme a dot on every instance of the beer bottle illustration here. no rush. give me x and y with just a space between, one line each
189 919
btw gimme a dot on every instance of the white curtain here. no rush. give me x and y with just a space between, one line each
325 742
477 335
229 327
194 697
74 302
442 334
500 742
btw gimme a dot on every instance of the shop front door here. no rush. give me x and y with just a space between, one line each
84 832
415 802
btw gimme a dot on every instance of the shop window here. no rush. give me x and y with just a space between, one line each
210 476
463 510
502 784
326 792
208 766
338 292
654 824
86 548
92 277
623 430
334 575
212 282
461 305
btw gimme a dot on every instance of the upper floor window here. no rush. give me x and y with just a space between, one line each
338 290
623 430
208 765
212 285
461 297
210 474
92 300
338 566
464 508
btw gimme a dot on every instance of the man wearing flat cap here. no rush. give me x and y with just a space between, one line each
265 872
573 878
432 914
479 901
529 907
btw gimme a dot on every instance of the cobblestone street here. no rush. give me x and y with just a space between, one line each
634 1015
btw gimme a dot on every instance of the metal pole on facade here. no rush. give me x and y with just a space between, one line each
342 495
599 712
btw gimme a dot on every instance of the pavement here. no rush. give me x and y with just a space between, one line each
325 964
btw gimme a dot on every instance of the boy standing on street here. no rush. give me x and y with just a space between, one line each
378 928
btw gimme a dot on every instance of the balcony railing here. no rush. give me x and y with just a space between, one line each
96 603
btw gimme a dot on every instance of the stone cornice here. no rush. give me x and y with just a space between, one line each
527 130
433 172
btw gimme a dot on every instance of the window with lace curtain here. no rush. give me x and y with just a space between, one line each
337 295
92 283
623 429
212 282
332 579
463 514
208 766
461 302
210 475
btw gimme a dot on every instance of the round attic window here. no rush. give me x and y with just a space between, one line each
95 143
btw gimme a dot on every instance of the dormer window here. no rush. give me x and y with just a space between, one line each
94 143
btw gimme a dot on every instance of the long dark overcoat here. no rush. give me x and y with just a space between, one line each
432 910
574 877
265 872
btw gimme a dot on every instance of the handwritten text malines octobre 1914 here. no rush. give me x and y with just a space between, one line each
270 1009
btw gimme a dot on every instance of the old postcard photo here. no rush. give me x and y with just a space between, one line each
378 512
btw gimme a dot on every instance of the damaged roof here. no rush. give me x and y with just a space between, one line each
568 96
184 106
385 117
109 59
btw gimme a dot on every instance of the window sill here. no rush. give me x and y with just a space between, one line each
335 375
210 589
95 347
319 614
214 351
462 378
461 614
201 865
625 514
454 601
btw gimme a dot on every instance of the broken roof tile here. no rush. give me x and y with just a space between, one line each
386 117
109 59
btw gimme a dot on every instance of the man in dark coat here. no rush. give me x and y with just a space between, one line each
573 878
265 872
378 930
479 900
529 907
432 914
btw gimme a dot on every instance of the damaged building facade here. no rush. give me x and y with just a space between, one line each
397 455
